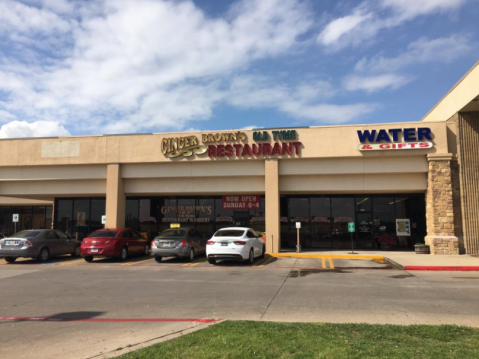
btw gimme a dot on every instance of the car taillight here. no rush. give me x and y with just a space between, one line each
182 243
28 243
210 242
152 244
240 243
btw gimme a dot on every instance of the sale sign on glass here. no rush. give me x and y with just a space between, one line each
242 202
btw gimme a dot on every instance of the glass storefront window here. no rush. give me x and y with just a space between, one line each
97 210
343 212
320 222
5 220
48 217
38 221
223 217
363 204
258 217
384 219
81 216
131 215
206 216
64 212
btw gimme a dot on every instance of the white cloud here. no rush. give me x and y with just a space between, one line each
300 102
339 27
375 83
423 50
18 129
370 17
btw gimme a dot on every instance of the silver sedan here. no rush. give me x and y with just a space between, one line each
178 242
41 244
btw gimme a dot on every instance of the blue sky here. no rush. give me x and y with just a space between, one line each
126 66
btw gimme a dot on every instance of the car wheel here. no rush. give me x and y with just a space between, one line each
44 255
251 256
10 259
76 253
146 251
263 252
191 256
123 254
158 259
211 261
88 258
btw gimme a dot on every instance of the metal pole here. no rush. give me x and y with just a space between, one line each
298 247
15 227
352 244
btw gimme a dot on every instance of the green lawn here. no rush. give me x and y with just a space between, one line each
247 339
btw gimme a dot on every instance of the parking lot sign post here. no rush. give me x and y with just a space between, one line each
352 229
298 246
15 219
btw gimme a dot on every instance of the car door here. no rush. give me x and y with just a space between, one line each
65 244
191 239
52 242
201 241
128 240
140 240
254 242
196 238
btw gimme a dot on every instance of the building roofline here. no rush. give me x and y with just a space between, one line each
451 90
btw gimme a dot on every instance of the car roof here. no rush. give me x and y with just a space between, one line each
114 229
235 228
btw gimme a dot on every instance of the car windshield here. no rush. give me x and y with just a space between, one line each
230 233
172 233
99 234
26 234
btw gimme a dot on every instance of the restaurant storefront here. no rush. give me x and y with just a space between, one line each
396 184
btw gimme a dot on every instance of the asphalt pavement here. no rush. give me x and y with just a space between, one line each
72 309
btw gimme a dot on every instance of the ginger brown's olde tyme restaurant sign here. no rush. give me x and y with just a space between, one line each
216 145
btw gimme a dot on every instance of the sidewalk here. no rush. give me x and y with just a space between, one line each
407 260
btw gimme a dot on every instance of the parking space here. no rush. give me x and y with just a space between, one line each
269 262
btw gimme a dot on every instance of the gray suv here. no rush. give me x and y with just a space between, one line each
41 244
178 242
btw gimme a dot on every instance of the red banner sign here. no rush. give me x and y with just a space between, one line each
242 202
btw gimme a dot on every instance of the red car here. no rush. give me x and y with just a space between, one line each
114 242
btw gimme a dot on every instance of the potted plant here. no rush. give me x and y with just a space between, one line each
387 242
421 248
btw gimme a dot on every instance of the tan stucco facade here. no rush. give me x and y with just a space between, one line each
327 161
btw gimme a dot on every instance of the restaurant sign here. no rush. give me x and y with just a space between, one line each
242 202
234 144
395 139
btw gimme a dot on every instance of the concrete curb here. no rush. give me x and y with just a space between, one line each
338 256
443 268
394 264
150 342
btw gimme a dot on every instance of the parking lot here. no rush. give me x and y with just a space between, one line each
72 309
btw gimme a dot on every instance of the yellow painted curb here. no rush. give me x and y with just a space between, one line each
338 256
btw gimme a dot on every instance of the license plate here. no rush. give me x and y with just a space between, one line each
94 250
224 244
12 243
167 244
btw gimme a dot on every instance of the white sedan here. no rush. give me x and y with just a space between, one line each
235 244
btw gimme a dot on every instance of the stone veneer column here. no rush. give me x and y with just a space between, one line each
271 189
115 197
440 206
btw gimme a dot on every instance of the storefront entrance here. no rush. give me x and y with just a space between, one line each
324 221
151 215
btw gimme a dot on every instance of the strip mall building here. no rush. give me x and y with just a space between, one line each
424 172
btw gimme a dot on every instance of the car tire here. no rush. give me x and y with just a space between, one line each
44 255
263 252
146 251
76 253
88 258
123 254
211 261
158 259
250 259
191 255
10 259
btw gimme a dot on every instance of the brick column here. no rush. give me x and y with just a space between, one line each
440 206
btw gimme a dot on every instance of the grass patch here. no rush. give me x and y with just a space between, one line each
249 339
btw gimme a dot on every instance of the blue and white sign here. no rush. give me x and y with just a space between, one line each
15 218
